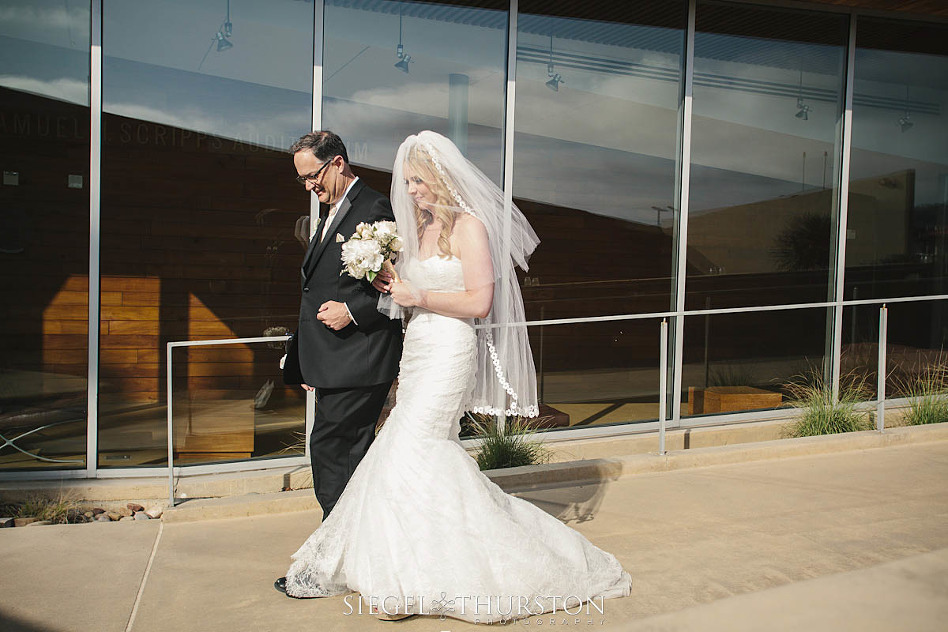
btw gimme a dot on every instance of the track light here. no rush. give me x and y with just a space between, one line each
403 64
905 123
222 42
555 78
802 110
403 59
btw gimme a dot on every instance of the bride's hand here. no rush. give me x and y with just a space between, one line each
405 294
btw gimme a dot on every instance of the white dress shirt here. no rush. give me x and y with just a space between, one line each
329 218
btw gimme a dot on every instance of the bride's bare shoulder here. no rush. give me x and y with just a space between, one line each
467 226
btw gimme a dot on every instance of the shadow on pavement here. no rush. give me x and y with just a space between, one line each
10 623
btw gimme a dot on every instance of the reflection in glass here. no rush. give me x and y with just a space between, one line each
595 152
610 376
898 191
391 69
199 213
916 334
44 233
765 137
236 413
737 362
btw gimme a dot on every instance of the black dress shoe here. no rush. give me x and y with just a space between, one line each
280 585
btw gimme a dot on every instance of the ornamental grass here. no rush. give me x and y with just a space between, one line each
820 414
512 446
927 393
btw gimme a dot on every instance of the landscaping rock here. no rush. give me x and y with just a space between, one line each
6 522
89 514
103 517
97 510
39 523
155 512
22 522
114 515
141 515
135 507
126 512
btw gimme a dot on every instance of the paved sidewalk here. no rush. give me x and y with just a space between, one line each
852 540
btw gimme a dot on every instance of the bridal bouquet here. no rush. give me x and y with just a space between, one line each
369 248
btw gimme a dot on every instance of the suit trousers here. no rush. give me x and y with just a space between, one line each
343 430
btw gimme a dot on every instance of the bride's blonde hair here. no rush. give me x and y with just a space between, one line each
419 164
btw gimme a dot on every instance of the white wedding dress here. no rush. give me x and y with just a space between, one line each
420 528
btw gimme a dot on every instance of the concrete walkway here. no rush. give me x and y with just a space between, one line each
853 540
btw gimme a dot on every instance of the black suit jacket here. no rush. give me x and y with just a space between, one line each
360 354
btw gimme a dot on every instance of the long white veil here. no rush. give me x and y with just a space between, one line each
505 376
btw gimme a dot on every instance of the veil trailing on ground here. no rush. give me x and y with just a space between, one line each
505 376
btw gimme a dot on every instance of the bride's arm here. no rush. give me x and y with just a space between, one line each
471 246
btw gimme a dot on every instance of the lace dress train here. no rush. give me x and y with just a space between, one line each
420 528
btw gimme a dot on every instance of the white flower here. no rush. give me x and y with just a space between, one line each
385 232
364 231
369 247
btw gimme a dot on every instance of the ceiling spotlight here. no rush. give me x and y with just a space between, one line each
403 59
554 82
905 122
802 110
403 64
222 43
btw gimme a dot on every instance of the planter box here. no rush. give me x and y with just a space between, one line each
723 399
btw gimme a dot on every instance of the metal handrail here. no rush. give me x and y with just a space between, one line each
196 343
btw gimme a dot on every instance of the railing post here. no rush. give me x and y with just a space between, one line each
170 433
662 384
881 370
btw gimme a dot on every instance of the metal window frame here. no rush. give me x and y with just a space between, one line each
319 17
95 188
842 203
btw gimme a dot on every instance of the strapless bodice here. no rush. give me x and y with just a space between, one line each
436 274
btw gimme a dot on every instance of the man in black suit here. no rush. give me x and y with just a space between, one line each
348 350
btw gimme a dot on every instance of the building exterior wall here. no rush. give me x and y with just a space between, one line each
763 175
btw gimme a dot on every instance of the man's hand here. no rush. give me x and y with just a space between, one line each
334 315
307 387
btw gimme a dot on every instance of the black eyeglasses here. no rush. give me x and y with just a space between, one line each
315 176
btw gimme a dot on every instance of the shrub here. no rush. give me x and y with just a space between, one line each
820 415
928 395
511 447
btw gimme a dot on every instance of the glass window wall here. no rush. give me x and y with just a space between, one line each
199 215
391 69
768 93
751 360
595 153
898 191
44 233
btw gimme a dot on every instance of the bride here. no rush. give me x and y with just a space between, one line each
419 529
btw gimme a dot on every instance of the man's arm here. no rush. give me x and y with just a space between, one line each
363 300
